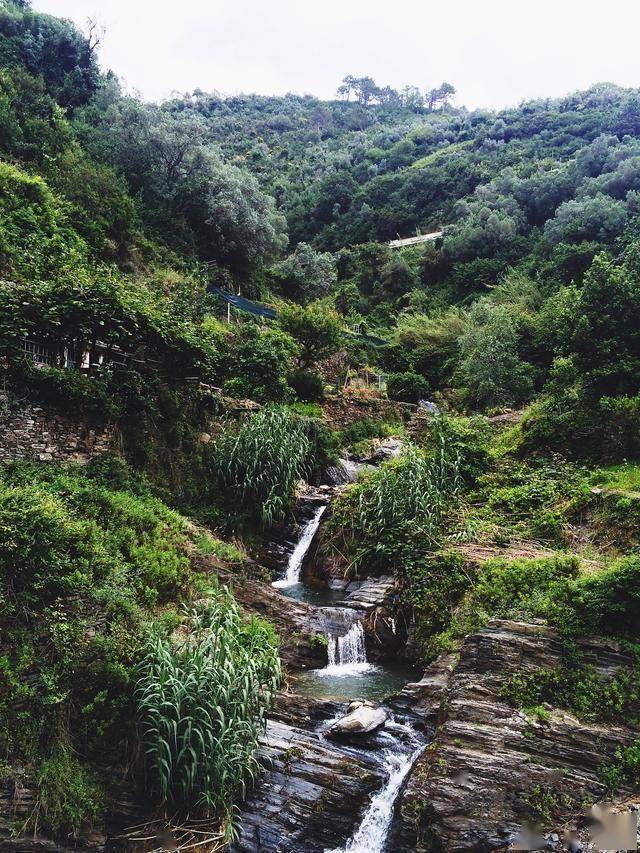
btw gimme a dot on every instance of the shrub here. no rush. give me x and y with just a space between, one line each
522 586
78 564
604 603
494 373
309 386
624 770
69 795
366 428
407 387
580 688
202 703
452 598
259 362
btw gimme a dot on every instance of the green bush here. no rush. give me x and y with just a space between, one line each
202 704
258 363
469 439
604 603
309 386
624 771
578 687
70 797
258 466
324 448
407 387
80 563
453 598
366 428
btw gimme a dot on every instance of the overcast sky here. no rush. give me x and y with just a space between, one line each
496 52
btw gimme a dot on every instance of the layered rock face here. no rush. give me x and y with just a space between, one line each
490 766
311 793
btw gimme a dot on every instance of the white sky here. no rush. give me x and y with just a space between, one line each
496 52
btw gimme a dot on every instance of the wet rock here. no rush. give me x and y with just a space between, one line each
342 473
310 796
362 718
370 593
424 698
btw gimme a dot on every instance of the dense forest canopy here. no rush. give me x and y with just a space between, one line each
292 197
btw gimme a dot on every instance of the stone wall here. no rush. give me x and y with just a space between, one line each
342 410
32 432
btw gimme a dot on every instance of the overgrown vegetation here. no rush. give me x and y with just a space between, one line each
201 701
88 559
257 466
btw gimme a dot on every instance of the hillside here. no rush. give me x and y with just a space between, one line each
319 553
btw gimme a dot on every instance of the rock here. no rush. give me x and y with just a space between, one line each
371 593
487 762
362 720
360 703
381 450
342 473
310 796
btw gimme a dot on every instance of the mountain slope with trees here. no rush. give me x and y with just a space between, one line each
520 324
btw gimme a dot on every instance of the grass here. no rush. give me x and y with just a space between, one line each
307 410
623 478
207 545
202 699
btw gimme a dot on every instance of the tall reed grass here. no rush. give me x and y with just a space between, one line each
202 703
397 512
258 466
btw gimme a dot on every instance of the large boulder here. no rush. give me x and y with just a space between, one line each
361 718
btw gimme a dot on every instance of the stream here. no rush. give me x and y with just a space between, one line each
348 675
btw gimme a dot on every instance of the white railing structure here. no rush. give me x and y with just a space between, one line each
413 241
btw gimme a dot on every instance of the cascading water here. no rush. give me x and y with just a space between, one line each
294 566
371 835
346 650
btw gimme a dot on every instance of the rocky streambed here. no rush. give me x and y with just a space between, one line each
434 761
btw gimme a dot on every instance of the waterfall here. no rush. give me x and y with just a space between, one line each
346 650
349 649
292 574
371 835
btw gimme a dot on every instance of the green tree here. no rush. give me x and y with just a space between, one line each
491 367
317 329
306 274
606 332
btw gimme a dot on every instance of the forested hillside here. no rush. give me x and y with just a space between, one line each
135 692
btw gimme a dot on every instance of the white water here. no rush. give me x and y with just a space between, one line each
371 835
292 574
347 654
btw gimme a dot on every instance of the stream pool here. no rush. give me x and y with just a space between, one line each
376 682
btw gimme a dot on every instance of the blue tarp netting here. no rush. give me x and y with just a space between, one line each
244 304
259 310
